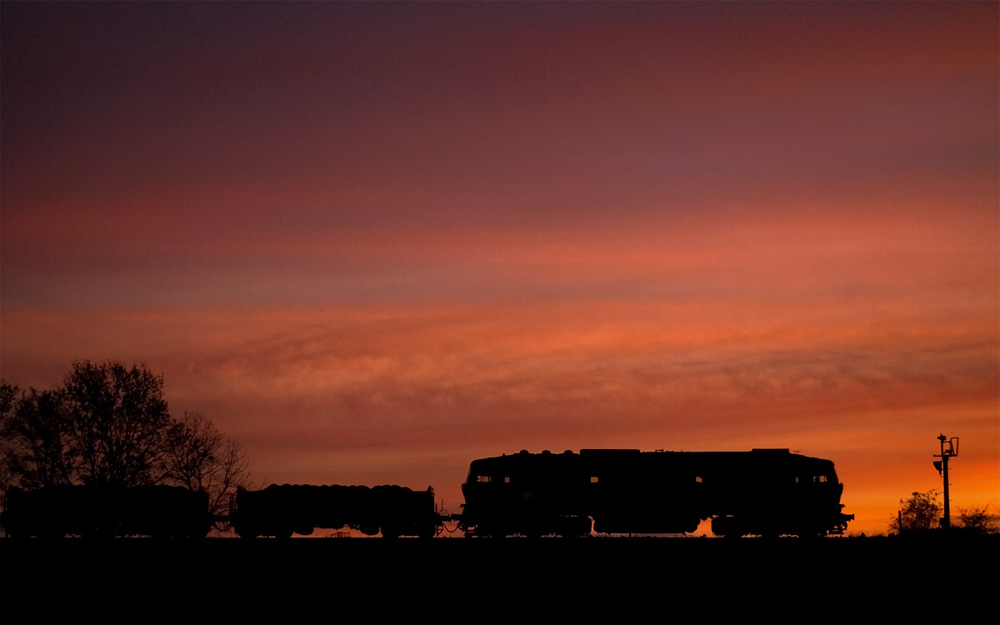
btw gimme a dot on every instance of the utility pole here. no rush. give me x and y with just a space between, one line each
949 449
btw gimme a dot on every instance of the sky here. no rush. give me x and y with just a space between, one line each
375 241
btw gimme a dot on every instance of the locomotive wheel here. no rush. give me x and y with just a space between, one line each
428 532
198 534
54 533
728 527
574 527
390 533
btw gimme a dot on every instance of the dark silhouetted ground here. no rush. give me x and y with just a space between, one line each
453 580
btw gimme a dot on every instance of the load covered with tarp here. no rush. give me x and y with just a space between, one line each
281 510
94 511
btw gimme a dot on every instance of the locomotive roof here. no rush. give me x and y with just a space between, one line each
633 452
758 457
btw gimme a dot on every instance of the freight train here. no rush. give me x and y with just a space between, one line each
764 492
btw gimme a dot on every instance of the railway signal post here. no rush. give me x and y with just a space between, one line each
949 449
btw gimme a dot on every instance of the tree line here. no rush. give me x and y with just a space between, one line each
921 512
109 425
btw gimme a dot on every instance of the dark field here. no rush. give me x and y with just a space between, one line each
606 580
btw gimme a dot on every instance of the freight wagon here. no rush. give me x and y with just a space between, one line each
106 511
283 510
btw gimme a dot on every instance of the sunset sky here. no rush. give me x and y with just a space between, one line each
374 241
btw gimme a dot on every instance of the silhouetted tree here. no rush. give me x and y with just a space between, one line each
36 434
199 456
109 425
120 423
977 519
8 404
919 511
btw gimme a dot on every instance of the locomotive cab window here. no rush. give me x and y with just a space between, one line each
594 479
482 479
819 478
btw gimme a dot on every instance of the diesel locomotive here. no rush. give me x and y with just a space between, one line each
765 492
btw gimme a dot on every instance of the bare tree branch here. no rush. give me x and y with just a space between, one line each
200 457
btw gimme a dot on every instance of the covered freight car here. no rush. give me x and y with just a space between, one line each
301 508
106 511
762 492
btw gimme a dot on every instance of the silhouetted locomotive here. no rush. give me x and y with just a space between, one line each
766 492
